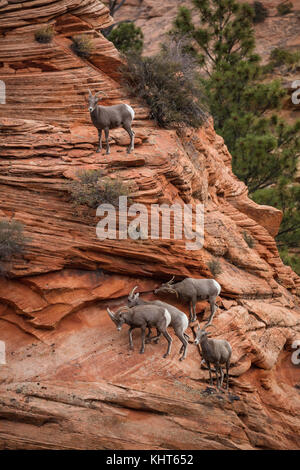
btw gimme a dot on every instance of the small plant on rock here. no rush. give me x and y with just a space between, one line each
284 8
214 266
248 239
45 34
92 189
12 243
82 45
260 12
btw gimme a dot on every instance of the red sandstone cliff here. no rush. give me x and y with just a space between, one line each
70 380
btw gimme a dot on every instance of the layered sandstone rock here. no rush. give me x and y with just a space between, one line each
70 380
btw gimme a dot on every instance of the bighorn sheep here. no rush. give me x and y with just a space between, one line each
179 321
110 117
214 351
143 316
191 290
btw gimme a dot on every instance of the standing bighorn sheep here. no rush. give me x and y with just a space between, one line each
179 321
191 290
110 117
216 352
143 316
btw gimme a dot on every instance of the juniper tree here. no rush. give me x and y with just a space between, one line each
243 103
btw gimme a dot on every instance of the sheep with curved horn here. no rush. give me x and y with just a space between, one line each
110 117
216 352
143 316
192 290
179 321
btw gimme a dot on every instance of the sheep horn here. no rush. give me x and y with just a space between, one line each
132 292
90 93
111 314
171 280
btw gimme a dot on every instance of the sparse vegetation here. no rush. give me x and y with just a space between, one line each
45 34
244 101
214 266
12 243
248 239
284 8
82 45
260 12
168 83
280 57
92 189
127 37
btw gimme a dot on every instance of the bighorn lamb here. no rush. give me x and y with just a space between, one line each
110 117
179 321
214 351
143 316
191 290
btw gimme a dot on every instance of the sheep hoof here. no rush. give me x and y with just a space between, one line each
182 358
98 151
141 351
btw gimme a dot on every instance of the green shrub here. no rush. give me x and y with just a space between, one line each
284 8
248 239
45 34
260 12
280 56
92 189
127 37
168 83
290 259
12 242
214 266
82 45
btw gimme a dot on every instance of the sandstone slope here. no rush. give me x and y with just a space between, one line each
70 380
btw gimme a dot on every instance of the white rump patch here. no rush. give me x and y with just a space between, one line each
167 317
217 286
130 110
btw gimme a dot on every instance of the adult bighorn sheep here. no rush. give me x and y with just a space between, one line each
191 290
110 117
216 352
179 321
143 316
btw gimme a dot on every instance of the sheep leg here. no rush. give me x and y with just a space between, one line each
222 376
100 141
130 338
191 311
217 367
156 338
131 134
169 339
148 337
106 130
142 350
213 308
210 374
227 375
184 345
